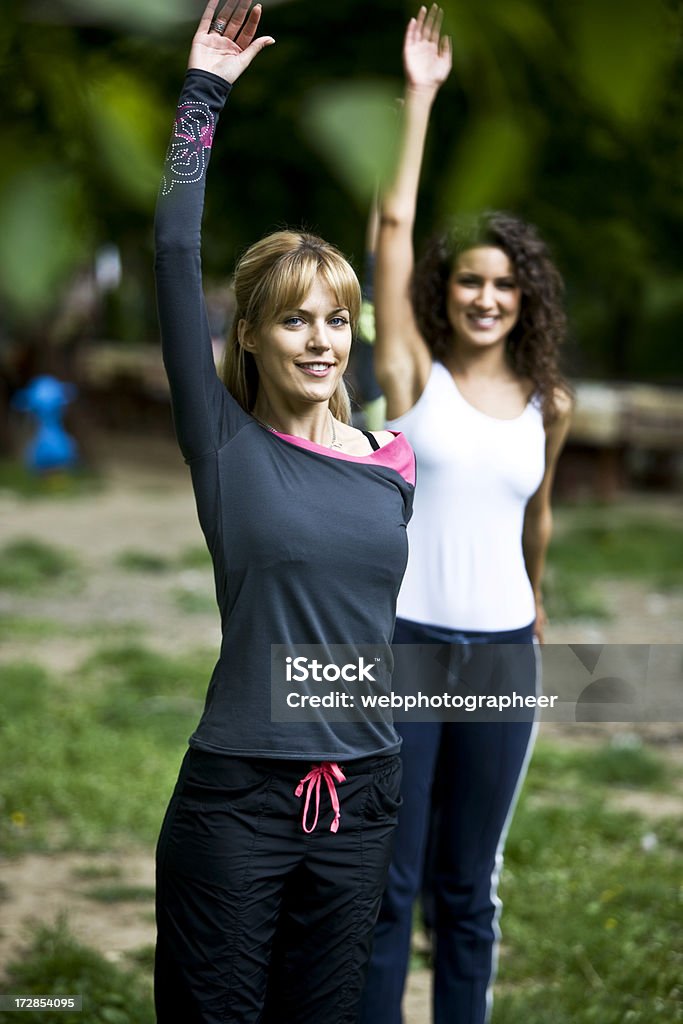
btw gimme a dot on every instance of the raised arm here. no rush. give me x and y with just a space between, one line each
402 358
223 47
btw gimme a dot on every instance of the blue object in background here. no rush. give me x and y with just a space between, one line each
51 448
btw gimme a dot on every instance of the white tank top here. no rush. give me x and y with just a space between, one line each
475 474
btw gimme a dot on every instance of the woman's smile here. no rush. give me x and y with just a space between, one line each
484 298
316 369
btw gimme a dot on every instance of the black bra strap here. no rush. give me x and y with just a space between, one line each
374 443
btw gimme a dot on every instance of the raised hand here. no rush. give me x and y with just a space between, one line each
427 56
224 42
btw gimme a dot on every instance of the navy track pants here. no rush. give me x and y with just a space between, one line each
461 780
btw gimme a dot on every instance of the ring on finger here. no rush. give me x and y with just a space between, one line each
218 26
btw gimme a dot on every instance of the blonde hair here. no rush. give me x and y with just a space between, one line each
275 275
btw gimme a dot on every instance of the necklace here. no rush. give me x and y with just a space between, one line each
334 442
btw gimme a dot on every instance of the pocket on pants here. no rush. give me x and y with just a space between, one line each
384 798
217 821
214 781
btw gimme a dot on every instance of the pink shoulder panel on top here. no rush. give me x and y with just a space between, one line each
397 454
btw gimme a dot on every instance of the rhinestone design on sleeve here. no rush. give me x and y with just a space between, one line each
192 138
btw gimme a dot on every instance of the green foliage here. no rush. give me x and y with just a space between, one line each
129 130
570 114
84 136
55 962
133 14
40 207
622 49
355 123
490 164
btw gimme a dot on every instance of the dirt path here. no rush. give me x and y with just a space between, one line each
149 507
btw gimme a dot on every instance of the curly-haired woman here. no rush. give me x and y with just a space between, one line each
467 355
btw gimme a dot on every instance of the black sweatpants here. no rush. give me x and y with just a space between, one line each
257 920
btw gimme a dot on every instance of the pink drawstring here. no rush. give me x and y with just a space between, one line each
330 772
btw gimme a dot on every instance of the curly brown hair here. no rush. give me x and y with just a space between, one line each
533 345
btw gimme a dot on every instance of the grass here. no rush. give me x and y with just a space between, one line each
121 894
28 627
78 482
194 594
599 546
194 602
569 596
634 767
19 627
134 560
592 903
591 909
92 757
143 957
96 872
592 893
55 962
28 565
638 550
132 668
195 557
617 763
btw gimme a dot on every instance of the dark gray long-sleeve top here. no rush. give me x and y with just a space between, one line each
308 545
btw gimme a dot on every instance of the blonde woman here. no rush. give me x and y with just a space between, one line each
265 908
